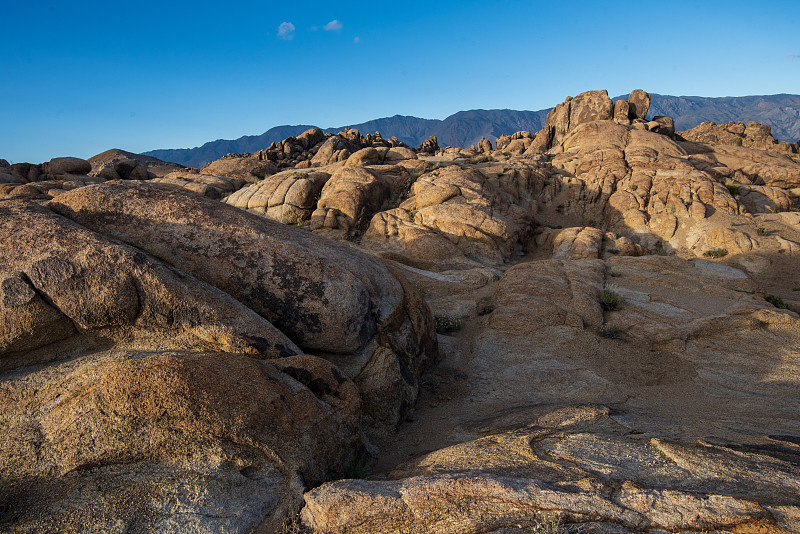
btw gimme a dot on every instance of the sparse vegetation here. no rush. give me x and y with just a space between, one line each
609 332
610 300
550 527
415 175
500 173
613 271
292 525
300 175
412 214
486 310
446 324
555 226
432 167
761 230
716 253
733 189
634 187
776 301
662 251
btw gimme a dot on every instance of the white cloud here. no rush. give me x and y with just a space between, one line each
356 40
333 26
286 31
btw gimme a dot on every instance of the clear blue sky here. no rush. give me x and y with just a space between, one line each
82 77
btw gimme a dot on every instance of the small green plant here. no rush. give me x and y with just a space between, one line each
761 230
446 324
300 175
485 158
415 175
486 310
733 189
500 173
776 301
412 214
610 300
433 167
555 226
634 187
716 253
613 271
181 178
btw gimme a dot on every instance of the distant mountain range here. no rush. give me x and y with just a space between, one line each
465 128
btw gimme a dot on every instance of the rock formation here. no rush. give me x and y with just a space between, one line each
214 350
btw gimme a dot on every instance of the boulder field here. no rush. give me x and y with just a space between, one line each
590 328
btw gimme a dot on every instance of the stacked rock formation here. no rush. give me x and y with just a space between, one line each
627 359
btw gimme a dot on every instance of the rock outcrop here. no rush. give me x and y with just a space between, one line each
152 345
575 466
616 307
312 148
327 297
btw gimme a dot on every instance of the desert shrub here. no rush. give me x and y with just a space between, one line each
485 158
550 527
446 324
486 310
610 300
733 189
776 301
609 332
761 230
716 253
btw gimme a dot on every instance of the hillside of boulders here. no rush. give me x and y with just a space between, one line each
591 327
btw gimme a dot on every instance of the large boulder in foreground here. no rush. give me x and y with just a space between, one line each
327 297
151 377
64 288
133 441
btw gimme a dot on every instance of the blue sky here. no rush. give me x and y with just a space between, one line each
83 77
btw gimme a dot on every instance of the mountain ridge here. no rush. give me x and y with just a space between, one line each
781 112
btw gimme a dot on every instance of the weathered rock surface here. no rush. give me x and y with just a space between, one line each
169 441
326 296
64 287
289 196
453 215
750 135
216 187
698 367
575 465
